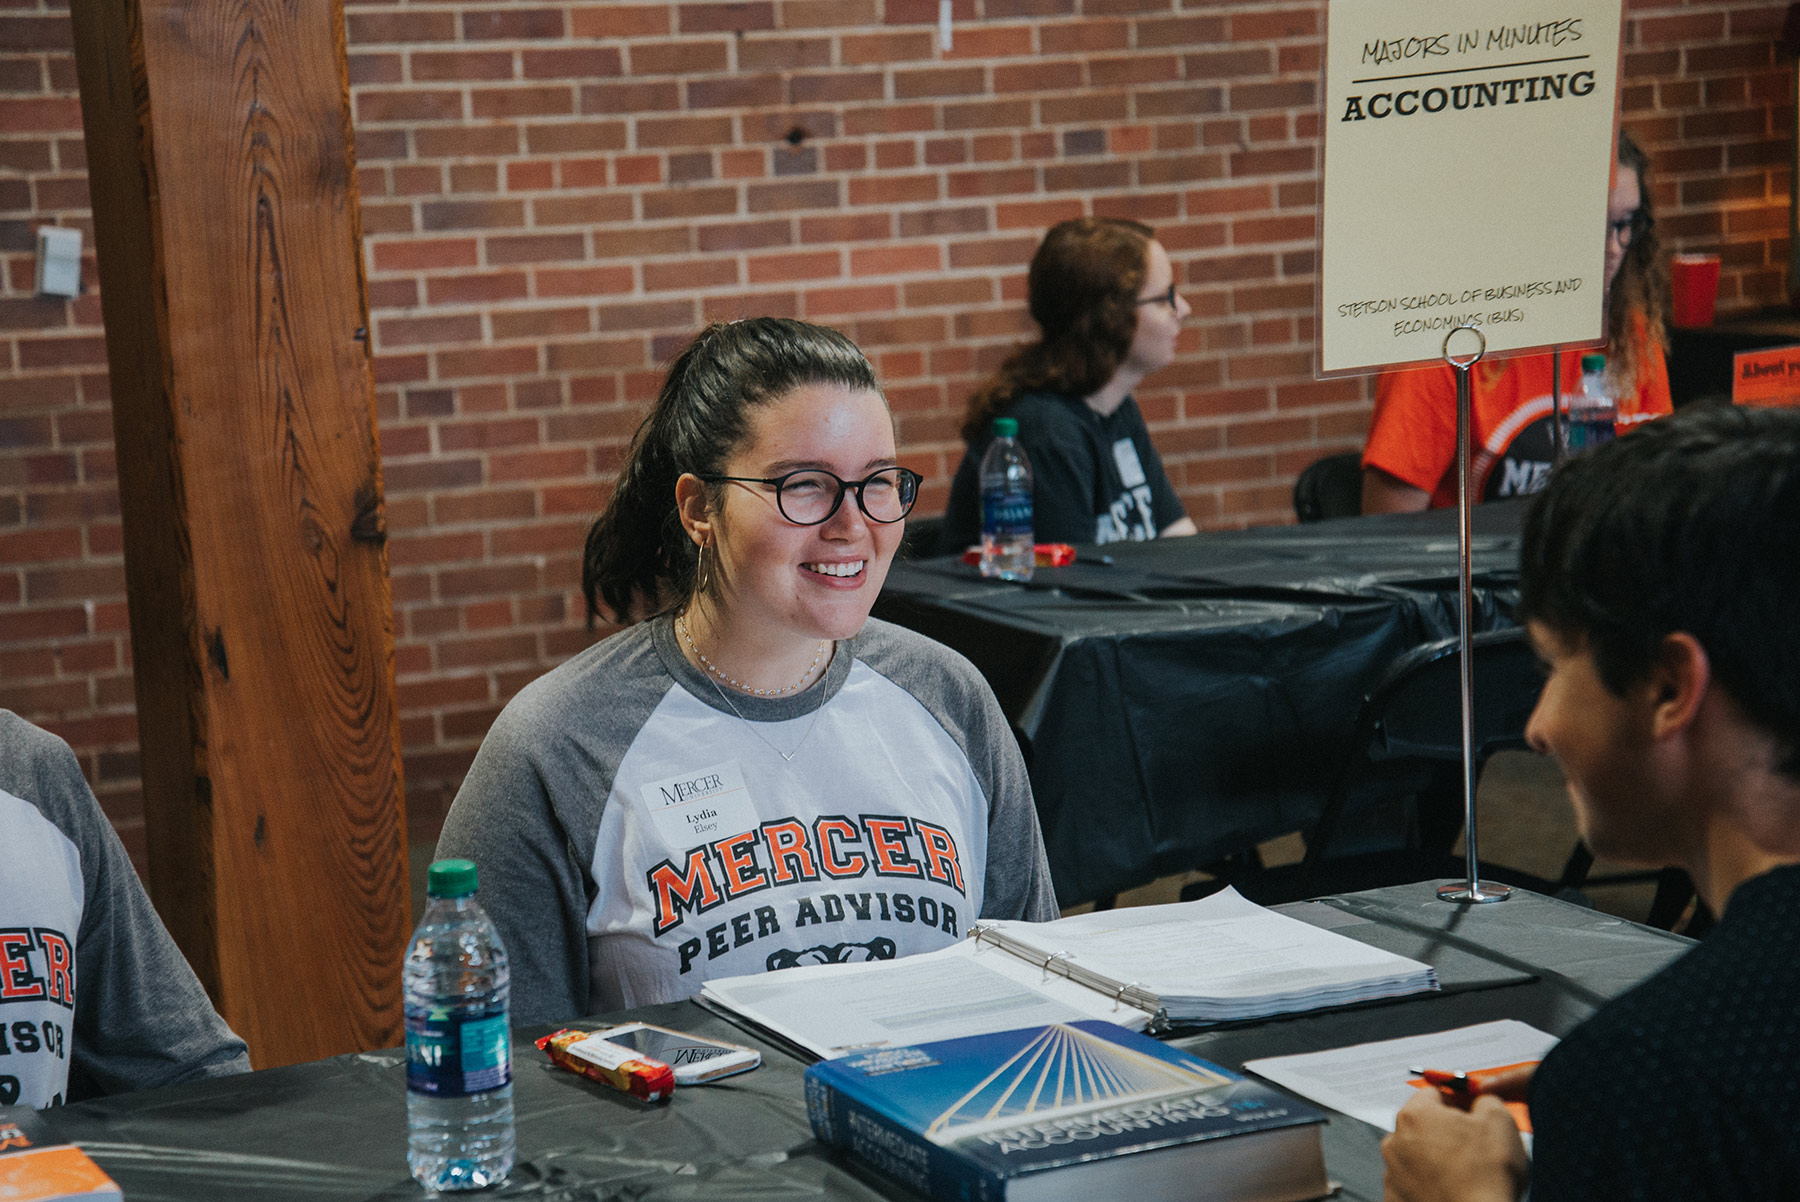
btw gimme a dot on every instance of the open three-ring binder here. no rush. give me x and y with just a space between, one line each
1064 964
1220 959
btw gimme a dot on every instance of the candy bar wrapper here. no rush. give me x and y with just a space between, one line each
1044 555
594 1057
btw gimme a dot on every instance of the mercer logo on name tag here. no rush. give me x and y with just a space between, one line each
700 806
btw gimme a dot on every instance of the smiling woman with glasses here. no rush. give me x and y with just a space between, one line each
721 787
1103 293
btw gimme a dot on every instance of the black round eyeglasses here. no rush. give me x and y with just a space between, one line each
1627 228
1161 298
810 496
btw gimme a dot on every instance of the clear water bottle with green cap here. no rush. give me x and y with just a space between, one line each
1006 534
459 1110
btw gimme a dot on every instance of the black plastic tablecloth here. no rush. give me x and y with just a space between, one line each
335 1130
1193 697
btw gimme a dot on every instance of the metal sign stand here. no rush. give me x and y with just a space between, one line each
1473 889
1556 408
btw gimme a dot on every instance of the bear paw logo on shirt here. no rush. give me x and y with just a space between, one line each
881 948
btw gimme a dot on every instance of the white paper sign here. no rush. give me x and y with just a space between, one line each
702 806
1468 153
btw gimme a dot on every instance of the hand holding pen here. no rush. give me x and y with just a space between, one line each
1457 1142
1460 1089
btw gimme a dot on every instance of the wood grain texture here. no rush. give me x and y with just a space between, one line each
117 134
251 487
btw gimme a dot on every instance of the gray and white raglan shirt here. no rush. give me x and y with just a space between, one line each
95 998
638 833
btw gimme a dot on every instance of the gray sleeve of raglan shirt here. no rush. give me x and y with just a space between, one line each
141 1017
528 813
949 687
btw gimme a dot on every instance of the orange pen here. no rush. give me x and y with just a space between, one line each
1458 1089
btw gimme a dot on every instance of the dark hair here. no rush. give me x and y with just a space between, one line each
1640 291
1687 524
1083 291
638 560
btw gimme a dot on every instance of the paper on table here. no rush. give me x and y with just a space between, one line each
967 989
1371 1081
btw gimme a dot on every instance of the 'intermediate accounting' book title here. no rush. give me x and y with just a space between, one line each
1072 1110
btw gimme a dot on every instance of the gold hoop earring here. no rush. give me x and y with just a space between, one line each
703 573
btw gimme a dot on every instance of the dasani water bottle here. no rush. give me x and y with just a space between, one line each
1593 414
1006 535
459 1111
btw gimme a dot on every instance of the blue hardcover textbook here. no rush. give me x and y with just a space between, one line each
1075 1110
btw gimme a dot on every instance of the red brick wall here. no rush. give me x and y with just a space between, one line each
554 196
65 656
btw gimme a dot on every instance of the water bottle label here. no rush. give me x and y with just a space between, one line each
1006 514
455 1055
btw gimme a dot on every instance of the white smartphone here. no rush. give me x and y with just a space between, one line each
694 1060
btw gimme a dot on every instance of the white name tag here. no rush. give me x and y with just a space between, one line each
701 806
1131 468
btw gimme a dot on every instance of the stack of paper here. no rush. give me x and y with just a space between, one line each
1220 959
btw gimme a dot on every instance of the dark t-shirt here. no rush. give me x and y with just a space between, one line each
1093 479
1687 1087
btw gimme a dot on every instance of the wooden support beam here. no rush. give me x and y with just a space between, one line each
229 247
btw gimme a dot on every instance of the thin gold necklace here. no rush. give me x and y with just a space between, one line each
786 756
687 636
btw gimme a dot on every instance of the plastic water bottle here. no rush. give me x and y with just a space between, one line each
1006 505
459 1109
1593 415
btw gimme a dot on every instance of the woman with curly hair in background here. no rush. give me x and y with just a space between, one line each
1102 291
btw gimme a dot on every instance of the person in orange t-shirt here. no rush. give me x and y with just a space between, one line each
1410 460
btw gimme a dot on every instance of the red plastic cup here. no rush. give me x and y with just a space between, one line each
1694 283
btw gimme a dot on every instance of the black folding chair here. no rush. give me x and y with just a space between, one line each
1329 488
1674 890
922 537
1409 740
1413 716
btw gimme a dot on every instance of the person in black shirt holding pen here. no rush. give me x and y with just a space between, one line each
1660 583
